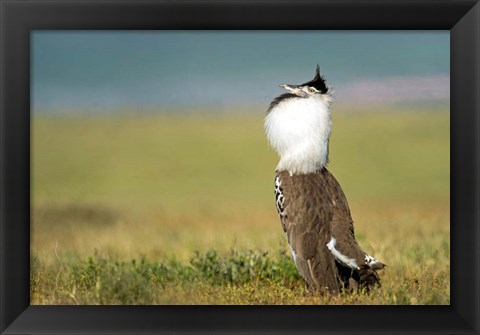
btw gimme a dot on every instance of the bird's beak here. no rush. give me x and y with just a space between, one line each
292 88
288 87
295 89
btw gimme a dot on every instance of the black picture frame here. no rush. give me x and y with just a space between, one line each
19 17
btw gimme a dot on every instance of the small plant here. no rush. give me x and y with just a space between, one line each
243 267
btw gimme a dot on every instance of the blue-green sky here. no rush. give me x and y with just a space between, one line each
110 69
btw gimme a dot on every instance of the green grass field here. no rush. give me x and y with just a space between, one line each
163 209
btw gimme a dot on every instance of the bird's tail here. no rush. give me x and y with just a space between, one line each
365 278
368 278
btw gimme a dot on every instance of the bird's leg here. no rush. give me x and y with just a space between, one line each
340 280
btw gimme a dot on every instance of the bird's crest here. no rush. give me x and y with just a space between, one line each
318 82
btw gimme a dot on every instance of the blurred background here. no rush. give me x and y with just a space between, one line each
151 143
101 71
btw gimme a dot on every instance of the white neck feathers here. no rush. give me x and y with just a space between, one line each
299 130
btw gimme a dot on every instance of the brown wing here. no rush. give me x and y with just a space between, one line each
306 215
342 223
364 274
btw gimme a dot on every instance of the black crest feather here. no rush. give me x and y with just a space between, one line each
318 82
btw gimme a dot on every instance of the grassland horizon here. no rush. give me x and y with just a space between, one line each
178 208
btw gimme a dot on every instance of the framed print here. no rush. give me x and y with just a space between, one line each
136 171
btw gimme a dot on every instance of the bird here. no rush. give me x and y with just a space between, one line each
312 206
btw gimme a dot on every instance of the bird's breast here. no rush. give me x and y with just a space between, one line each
299 130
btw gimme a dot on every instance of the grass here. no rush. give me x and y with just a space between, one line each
178 209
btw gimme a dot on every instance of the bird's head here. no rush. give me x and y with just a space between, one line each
315 86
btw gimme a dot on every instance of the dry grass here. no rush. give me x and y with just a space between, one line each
159 188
